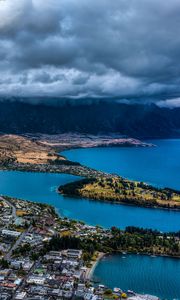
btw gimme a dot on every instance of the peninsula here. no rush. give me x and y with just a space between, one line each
119 190
40 153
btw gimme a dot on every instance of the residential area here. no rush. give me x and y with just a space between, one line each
30 269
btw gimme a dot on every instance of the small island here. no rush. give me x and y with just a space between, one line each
119 190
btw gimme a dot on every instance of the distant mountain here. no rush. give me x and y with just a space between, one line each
140 121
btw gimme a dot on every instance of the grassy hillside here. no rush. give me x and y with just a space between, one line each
117 189
24 150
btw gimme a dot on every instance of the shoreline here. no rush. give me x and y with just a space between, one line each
82 170
67 141
177 209
122 203
91 269
98 255
101 255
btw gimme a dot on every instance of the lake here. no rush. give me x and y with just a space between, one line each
158 276
159 166
42 187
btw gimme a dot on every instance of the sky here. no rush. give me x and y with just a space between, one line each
91 48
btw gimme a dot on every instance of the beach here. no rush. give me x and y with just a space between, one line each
90 270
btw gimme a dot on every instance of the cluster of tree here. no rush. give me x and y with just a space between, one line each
133 239
66 242
63 162
4 264
145 241
73 188
134 229
22 250
6 158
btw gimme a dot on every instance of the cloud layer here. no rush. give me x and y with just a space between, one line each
91 48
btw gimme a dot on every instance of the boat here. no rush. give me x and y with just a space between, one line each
130 292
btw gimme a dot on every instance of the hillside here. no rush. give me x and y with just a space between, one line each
137 121
14 148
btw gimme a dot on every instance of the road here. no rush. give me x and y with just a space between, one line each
17 243
12 206
21 237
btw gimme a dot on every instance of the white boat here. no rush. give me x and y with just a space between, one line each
131 292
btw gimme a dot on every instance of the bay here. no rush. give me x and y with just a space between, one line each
158 276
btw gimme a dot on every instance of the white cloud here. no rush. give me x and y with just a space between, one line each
170 103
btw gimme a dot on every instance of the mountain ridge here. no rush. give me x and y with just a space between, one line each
135 120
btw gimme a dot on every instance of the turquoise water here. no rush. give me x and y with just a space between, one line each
41 187
159 165
158 276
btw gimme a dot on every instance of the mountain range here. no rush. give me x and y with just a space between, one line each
135 120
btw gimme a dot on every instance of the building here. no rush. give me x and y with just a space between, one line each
73 253
11 233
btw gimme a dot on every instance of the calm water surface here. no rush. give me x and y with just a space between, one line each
158 276
159 165
41 187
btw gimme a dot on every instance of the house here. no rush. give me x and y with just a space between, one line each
36 280
20 296
73 253
11 233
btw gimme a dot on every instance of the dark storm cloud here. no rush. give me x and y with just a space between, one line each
90 48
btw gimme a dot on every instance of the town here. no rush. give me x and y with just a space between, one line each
38 262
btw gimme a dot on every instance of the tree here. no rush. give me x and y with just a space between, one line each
108 292
4 263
